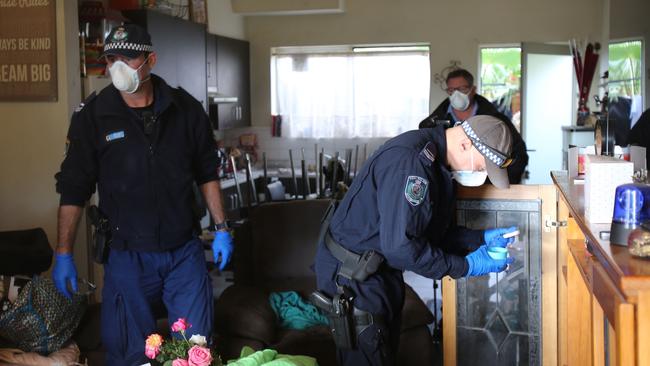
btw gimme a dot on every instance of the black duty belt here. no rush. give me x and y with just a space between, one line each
354 266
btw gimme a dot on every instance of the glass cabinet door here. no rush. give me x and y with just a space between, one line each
498 315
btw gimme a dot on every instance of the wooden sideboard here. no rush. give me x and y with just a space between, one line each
603 291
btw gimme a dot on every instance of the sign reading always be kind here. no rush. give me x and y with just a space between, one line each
28 50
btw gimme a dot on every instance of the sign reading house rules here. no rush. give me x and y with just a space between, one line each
28 50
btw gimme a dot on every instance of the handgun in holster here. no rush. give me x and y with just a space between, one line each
101 234
339 311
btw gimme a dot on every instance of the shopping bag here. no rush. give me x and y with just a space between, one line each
41 319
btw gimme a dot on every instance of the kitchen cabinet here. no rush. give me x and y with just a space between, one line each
181 49
211 62
230 105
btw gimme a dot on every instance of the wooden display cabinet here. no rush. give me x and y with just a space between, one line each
594 299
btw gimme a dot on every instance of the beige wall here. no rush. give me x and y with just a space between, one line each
222 20
33 139
453 28
629 19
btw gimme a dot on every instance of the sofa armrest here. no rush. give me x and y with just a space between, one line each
245 311
414 313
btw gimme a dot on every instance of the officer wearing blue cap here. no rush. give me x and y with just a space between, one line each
143 144
397 216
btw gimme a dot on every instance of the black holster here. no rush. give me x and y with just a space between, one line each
339 312
101 234
346 321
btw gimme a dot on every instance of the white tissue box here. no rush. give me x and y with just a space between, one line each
603 175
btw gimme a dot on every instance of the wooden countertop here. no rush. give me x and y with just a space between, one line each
630 274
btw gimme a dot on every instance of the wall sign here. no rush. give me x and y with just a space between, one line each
28 50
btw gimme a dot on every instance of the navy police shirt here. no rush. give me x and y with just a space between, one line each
401 205
145 181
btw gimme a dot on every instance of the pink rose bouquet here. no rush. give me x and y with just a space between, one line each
180 352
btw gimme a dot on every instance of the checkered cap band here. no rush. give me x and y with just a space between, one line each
128 46
483 149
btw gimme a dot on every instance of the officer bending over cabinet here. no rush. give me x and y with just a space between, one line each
398 216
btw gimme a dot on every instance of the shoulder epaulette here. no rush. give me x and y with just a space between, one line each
86 101
428 153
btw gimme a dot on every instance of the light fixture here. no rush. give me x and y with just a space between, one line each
631 208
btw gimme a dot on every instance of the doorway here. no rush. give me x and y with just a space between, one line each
548 103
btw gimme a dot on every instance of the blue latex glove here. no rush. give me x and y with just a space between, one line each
222 244
494 237
65 271
480 263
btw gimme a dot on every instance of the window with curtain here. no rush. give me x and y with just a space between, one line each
354 92
625 87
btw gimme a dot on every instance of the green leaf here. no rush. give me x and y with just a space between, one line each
168 363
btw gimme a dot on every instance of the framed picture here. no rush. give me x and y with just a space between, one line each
198 11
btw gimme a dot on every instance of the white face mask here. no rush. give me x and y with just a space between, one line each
459 101
470 178
125 78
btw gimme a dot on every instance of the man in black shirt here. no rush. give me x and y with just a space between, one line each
143 144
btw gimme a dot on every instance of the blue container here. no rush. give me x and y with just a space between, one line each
631 208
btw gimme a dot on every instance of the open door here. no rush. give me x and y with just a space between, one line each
548 103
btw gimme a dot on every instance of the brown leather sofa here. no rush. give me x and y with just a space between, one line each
274 251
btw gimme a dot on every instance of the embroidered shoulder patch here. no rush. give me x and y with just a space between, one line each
416 189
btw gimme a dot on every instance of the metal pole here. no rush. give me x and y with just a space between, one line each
266 178
319 175
365 152
252 191
306 190
317 189
348 165
293 175
234 174
334 171
356 160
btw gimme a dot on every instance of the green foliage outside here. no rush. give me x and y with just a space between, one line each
625 68
500 71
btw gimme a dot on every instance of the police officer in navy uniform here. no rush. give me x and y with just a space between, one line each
397 216
144 144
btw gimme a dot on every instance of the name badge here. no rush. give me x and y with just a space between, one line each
114 136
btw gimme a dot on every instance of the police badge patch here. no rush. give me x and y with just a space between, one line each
120 34
416 189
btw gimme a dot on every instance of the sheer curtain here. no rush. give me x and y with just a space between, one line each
351 95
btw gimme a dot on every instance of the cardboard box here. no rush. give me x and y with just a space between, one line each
603 175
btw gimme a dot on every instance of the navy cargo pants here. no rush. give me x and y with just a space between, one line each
137 283
381 294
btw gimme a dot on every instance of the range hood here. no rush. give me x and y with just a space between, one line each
214 97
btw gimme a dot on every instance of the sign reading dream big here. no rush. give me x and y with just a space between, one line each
28 50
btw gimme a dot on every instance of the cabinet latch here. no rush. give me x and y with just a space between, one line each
550 223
